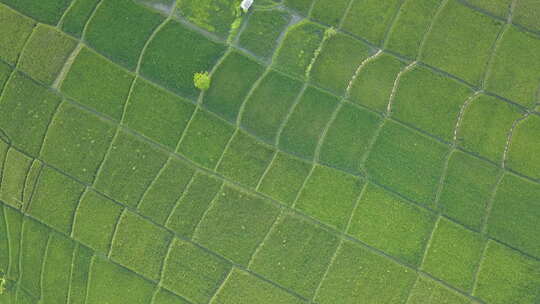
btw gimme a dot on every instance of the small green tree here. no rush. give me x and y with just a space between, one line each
202 81
3 283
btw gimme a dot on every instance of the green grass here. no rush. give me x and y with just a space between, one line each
260 38
295 254
374 83
411 24
205 139
190 209
4 243
33 245
95 221
453 244
119 30
55 282
140 245
357 273
55 200
527 13
215 16
77 141
127 286
461 41
5 71
430 101
32 118
285 177
231 82
399 154
244 288
338 61
14 31
157 114
14 224
301 6
428 289
97 83
507 276
13 178
192 272
268 105
31 180
305 125
165 297
498 7
77 16
370 19
348 138
298 48
79 274
524 153
161 197
129 168
329 11
467 189
245 160
162 64
45 54
48 11
327 187
235 224
386 222
485 125
515 214
516 67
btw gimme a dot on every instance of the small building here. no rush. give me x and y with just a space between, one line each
246 4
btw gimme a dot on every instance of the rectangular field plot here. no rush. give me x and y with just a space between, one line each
267 107
157 114
55 200
77 16
95 221
296 254
77 141
128 287
485 125
48 11
506 276
56 265
14 175
329 195
162 64
215 16
298 48
190 209
4 242
285 177
235 224
524 153
244 288
32 107
411 24
460 42
370 19
98 83
428 289
339 59
515 214
245 159
129 168
305 125
348 138
160 198
407 162
467 189
192 272
386 222
231 82
357 273
140 245
14 31
260 38
45 53
33 246
430 101
119 30
80 271
205 139
14 222
373 85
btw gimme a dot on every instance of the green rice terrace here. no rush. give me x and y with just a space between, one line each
287 152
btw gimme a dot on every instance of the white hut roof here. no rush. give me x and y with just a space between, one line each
246 4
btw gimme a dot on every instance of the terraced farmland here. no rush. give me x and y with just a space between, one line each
346 152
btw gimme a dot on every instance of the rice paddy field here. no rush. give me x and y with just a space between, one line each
344 152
